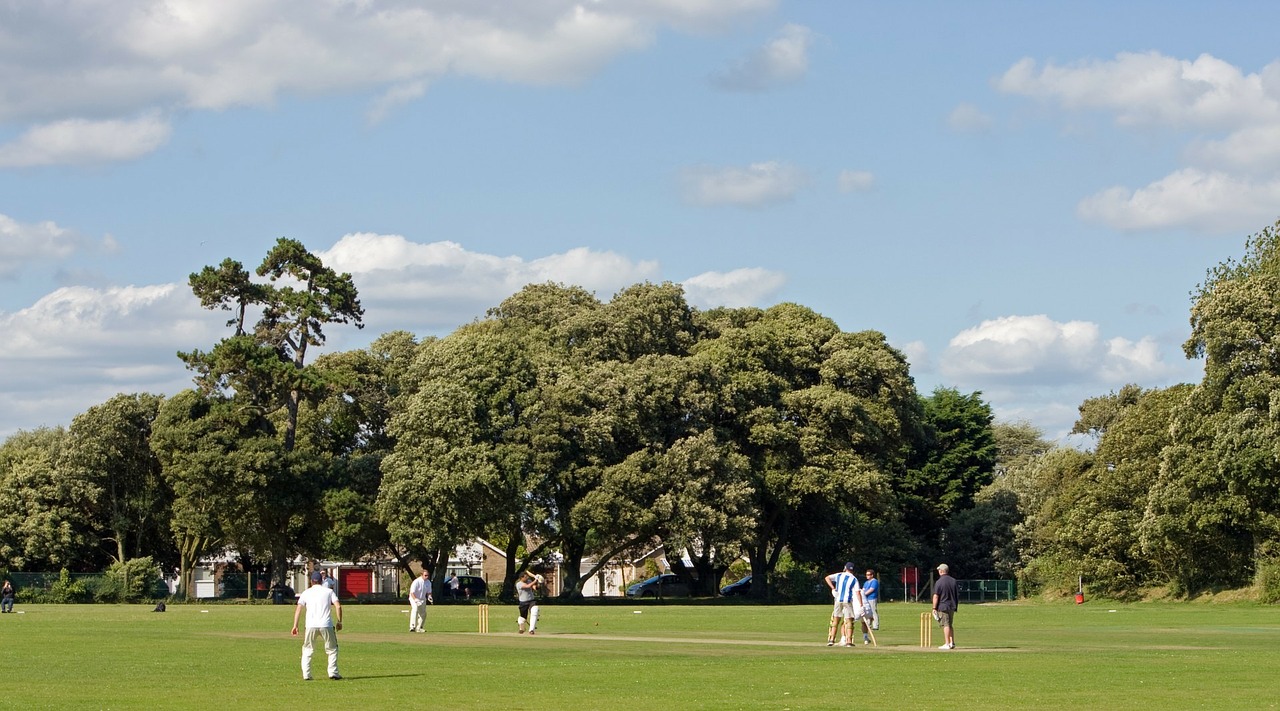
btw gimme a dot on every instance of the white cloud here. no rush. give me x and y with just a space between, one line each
123 58
1041 349
1232 182
1036 369
1150 88
1207 201
967 118
755 185
429 287
78 322
735 289
917 354
78 346
21 244
783 61
83 142
394 98
855 181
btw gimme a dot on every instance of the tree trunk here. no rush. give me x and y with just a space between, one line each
514 539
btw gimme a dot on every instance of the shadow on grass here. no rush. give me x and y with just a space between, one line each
364 677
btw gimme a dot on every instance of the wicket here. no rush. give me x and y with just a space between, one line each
483 611
926 629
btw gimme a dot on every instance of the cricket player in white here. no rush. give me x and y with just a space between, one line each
526 596
317 600
419 596
849 604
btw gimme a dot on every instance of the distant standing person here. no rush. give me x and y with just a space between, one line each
871 594
454 585
419 596
848 603
527 595
6 597
321 621
330 581
946 598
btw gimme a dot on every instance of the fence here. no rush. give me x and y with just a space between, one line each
970 590
986 590
44 581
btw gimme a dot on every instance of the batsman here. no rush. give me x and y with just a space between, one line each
527 589
849 605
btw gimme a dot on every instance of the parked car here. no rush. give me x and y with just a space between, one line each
741 587
667 585
469 586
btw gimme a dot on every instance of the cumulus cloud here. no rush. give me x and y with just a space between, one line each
82 142
84 66
427 287
1233 177
753 186
1038 369
1207 201
734 289
1039 348
1152 89
79 346
22 244
917 354
855 181
783 61
967 118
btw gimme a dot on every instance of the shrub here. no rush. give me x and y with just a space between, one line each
797 583
130 581
1267 579
1049 576
738 570
67 590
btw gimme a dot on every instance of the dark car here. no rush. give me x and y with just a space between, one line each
668 585
469 586
741 587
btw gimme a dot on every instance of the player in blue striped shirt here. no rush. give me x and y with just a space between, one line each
849 604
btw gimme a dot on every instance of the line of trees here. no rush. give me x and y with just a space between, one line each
1183 486
561 424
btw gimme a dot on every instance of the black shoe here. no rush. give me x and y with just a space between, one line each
336 677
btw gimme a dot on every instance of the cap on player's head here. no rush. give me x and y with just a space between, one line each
849 566
317 577
942 568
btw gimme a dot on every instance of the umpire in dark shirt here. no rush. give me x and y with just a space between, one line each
945 600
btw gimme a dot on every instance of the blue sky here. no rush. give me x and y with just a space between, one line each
1019 195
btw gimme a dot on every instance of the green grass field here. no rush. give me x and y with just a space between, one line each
606 656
